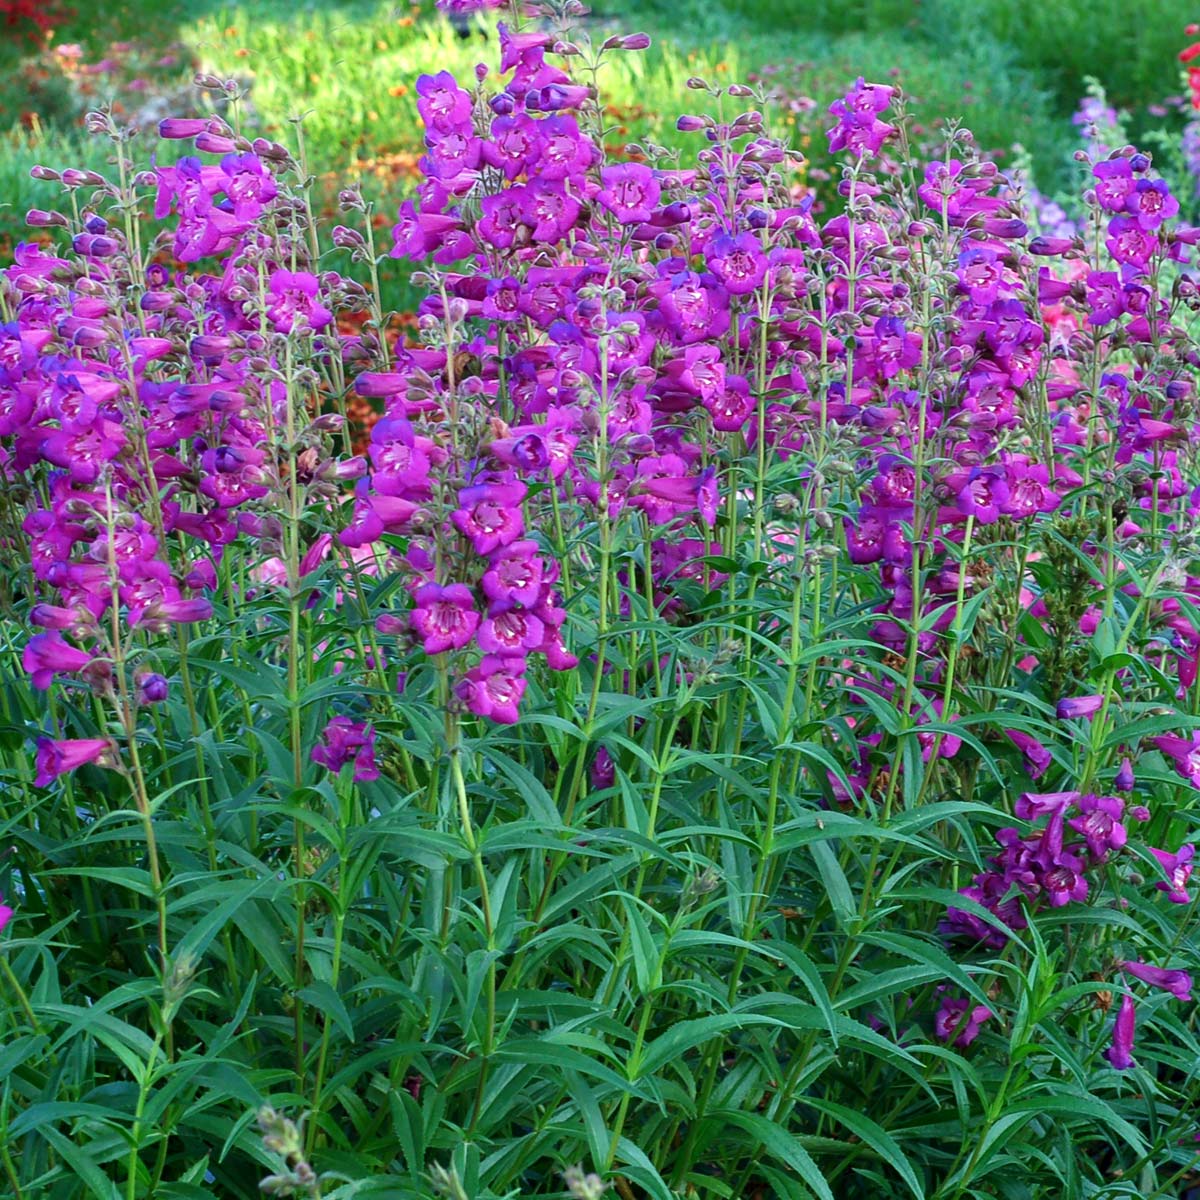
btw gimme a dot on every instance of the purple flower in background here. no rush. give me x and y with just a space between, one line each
958 1022
1037 757
344 741
58 757
1124 779
1120 1053
1178 983
1184 754
1178 869
48 654
1078 706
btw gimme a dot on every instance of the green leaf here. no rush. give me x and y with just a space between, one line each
779 1144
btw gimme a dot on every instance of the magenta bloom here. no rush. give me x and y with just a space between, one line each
490 515
1078 706
55 758
1037 757
603 772
47 655
344 741
494 688
1031 805
1178 983
515 576
293 301
445 617
1178 870
1184 754
859 129
956 1021
510 630
6 915
1124 779
1120 1053
1114 183
629 192
1100 824
739 262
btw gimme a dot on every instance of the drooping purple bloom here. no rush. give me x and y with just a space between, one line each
58 757
959 1022
1120 1053
1073 707
1037 757
1178 983
1178 869
344 741
1184 754
48 654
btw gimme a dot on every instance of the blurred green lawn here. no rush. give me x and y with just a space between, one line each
1012 69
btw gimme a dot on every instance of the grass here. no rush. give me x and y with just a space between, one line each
1011 69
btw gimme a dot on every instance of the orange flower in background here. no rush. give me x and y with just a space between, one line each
400 89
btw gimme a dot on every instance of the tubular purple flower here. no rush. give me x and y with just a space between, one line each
1178 983
55 758
1120 1053
47 655
1078 706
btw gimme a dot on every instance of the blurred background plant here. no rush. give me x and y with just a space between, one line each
1013 69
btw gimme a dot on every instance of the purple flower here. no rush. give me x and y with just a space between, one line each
47 654
1037 757
1178 983
1115 184
490 515
1151 203
629 191
1129 242
6 915
58 757
152 688
1178 869
445 617
1120 1053
1184 754
959 1023
739 262
981 492
1078 706
1100 824
603 773
510 631
494 688
344 741
1124 779
1031 805
292 301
